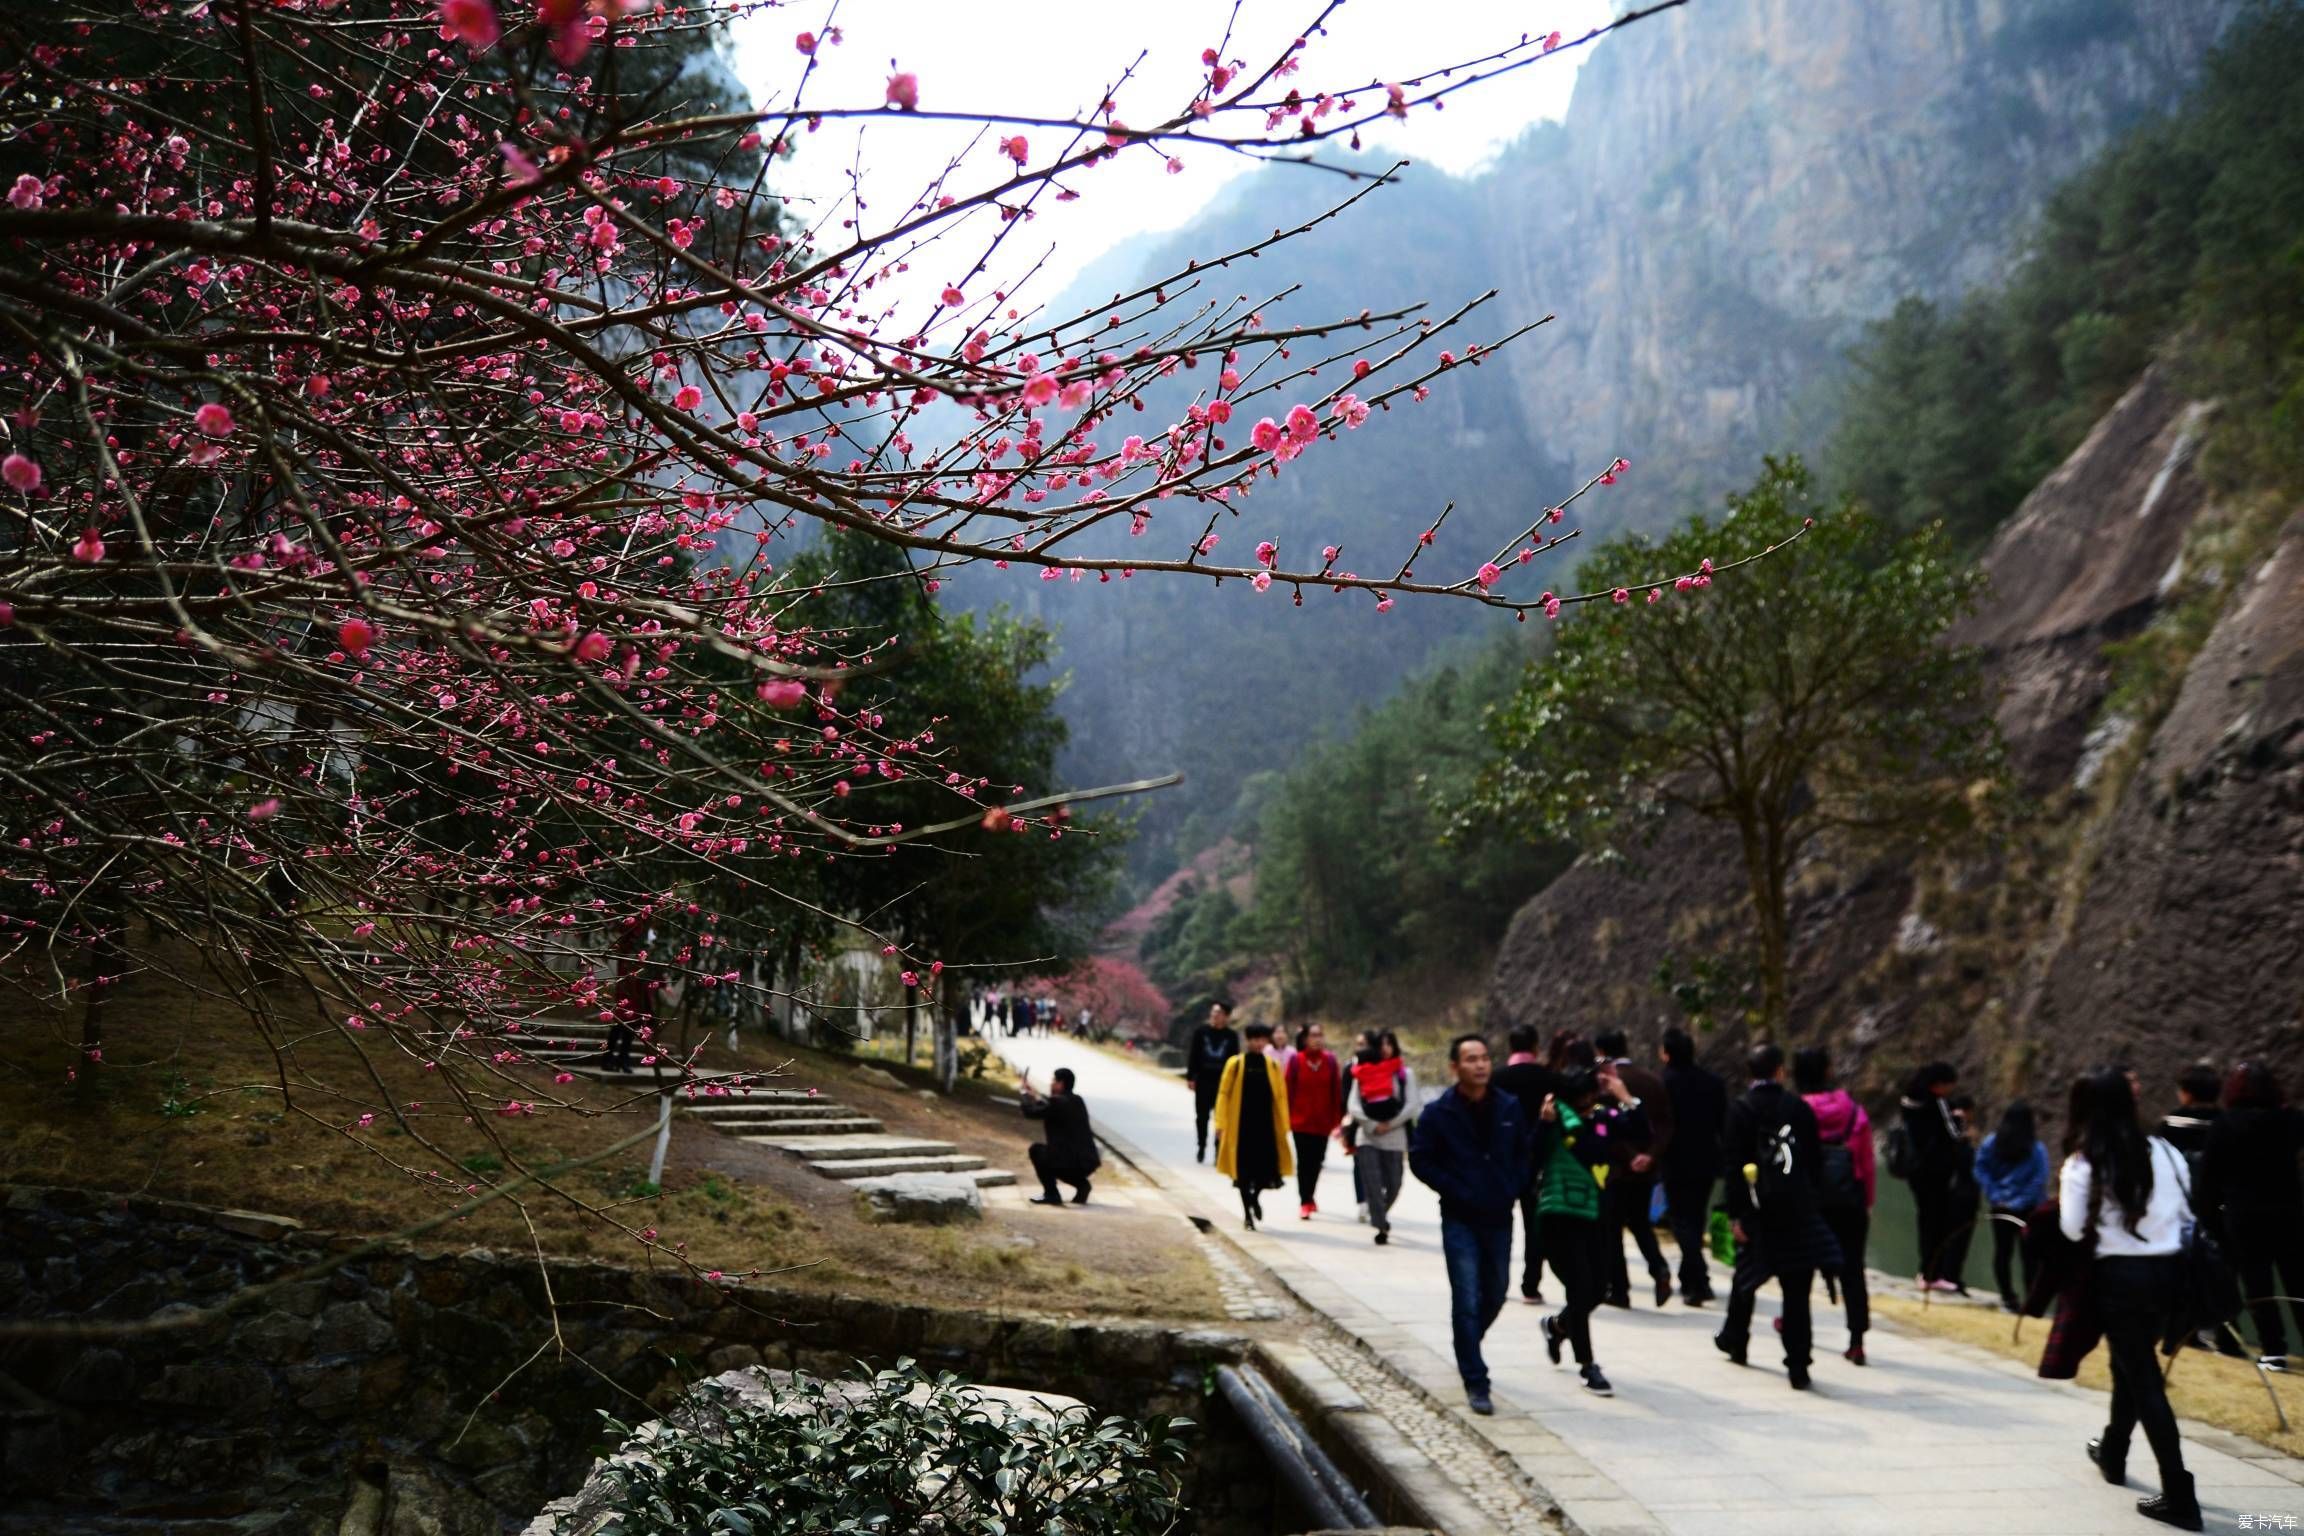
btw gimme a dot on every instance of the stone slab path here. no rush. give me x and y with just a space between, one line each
1933 1437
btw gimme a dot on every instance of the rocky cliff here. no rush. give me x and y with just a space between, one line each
1740 184
1738 187
2146 903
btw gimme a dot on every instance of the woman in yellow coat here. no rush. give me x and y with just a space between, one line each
1252 1123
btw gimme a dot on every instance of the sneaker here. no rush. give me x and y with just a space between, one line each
1798 1376
1363 1213
1532 1298
1382 1238
2273 1363
1854 1354
1595 1383
1304 1211
1314 1205
1735 1352
2178 1504
1477 1399
1951 1287
1552 1339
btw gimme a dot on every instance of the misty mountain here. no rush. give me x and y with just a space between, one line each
1738 186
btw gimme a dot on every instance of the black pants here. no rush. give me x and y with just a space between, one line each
1576 1250
2132 1297
1203 1105
1752 1271
1943 1239
618 1055
1624 1204
2268 1250
1688 1207
1531 1246
1851 1227
2007 1239
1053 1172
1311 1152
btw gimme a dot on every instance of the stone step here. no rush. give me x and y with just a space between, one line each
767 1116
847 1125
874 1167
645 1077
835 1148
991 1178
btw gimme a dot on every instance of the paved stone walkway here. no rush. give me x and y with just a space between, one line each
1933 1437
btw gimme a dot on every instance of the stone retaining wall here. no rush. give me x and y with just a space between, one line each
372 1390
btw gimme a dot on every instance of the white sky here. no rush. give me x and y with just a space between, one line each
1055 58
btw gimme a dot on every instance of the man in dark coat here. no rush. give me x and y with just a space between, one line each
1691 1164
1472 1147
1214 1043
1527 1079
1771 1185
1069 1154
1632 1186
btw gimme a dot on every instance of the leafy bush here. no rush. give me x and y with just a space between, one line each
901 1453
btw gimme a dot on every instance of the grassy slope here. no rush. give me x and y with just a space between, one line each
188 1104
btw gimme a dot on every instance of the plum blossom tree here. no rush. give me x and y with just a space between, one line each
410 407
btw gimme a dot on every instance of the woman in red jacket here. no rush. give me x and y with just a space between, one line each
1316 1091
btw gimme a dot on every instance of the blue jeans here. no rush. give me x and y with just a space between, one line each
1479 1268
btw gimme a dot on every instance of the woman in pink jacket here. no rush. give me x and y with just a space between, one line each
1847 1182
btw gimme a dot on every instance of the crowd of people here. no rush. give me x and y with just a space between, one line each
1578 1144
1000 1014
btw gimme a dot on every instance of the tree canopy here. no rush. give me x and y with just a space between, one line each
1820 698
2185 239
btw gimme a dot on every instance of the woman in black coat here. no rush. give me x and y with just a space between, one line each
1938 1173
2249 1191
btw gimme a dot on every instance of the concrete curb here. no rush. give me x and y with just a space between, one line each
1585 1500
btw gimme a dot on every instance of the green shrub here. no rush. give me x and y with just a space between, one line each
902 1453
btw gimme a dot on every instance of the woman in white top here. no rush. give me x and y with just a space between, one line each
2124 1194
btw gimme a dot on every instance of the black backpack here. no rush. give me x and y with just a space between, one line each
1903 1157
1837 1187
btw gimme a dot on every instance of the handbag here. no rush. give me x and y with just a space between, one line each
2207 1294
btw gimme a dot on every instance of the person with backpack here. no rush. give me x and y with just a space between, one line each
2250 1196
2012 1167
2121 1195
1771 1189
1926 1151
1846 1183
1588 1131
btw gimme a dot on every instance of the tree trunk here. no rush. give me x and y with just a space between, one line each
1764 868
948 1033
911 1028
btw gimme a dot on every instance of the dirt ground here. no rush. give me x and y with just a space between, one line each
191 1101
2226 1393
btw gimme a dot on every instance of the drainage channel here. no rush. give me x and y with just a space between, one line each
1315 1482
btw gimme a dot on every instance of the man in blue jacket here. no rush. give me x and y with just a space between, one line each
1472 1148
